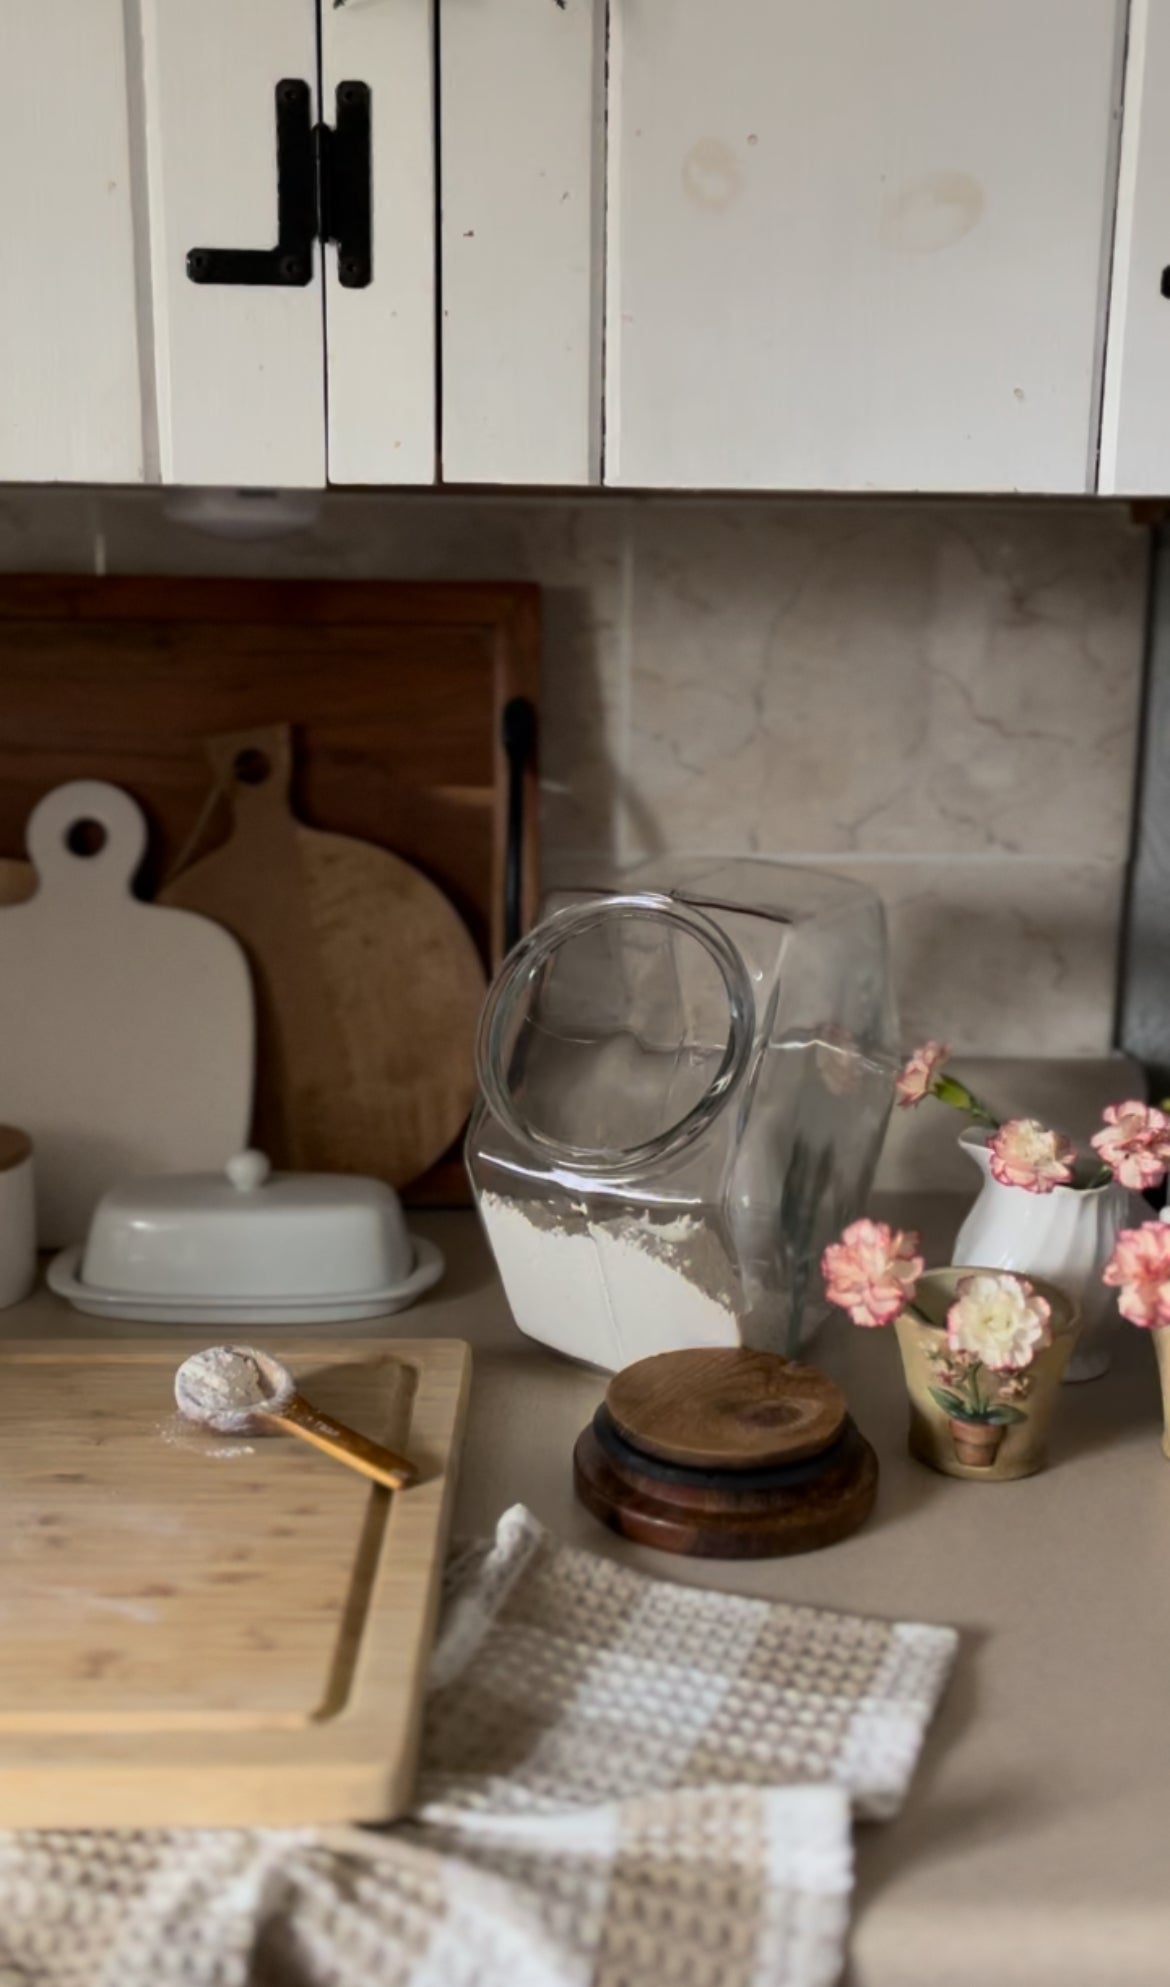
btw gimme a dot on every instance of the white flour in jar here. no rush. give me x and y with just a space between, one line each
611 1291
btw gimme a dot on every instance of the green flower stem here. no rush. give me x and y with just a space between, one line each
949 1090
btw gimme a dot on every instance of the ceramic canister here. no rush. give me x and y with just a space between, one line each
18 1222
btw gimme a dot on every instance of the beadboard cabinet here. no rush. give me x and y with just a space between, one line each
846 246
766 244
1135 428
856 246
70 354
138 132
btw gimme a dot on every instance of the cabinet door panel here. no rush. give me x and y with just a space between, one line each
1135 428
857 246
381 340
523 132
240 369
70 388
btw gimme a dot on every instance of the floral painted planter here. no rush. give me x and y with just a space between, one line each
1065 1236
990 1427
1161 1338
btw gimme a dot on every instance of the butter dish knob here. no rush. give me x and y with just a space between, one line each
248 1171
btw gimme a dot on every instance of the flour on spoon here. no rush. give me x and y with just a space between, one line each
227 1385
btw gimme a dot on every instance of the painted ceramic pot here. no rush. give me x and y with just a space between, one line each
1161 1340
989 1427
1066 1236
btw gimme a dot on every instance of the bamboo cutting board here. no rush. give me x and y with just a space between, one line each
201 1630
368 983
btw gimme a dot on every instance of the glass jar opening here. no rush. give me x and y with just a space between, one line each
616 1031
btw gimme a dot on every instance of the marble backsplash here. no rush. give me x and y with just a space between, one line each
939 698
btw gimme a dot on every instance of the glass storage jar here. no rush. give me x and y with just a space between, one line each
684 1087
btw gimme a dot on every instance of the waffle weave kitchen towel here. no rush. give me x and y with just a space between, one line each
625 1783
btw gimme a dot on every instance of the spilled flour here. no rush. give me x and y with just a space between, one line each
612 1290
179 1433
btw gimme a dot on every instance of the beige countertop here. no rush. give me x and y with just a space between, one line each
1036 1843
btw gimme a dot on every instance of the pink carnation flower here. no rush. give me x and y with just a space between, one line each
919 1073
1025 1154
1139 1270
1135 1144
872 1271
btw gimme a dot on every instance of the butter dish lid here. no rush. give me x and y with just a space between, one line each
248 1233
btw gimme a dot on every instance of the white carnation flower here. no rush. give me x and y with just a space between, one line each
999 1320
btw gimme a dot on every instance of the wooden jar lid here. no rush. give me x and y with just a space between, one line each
725 1408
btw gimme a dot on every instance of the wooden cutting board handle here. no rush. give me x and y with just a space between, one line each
254 769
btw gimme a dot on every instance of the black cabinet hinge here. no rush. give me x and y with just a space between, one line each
322 194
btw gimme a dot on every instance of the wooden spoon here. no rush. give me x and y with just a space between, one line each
237 1390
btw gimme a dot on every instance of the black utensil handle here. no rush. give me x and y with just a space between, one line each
518 734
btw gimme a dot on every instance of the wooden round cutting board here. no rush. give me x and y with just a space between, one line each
368 983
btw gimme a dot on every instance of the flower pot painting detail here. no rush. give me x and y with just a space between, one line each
995 1328
976 1442
983 1354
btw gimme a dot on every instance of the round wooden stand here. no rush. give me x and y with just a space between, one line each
725 1454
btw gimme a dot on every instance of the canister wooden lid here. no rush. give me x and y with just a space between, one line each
15 1148
726 1408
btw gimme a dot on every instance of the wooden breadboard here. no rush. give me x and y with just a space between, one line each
367 981
126 1031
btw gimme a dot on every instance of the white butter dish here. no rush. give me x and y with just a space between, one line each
247 1246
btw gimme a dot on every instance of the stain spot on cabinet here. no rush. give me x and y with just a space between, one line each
932 213
711 174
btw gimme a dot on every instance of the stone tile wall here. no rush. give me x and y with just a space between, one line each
939 698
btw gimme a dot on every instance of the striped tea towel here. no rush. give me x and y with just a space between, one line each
625 1783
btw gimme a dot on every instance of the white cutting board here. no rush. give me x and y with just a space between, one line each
126 1031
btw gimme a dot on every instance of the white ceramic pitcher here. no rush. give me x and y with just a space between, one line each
1066 1236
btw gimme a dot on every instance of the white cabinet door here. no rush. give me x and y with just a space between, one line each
239 369
522 162
380 340
71 381
855 245
129 134
1135 428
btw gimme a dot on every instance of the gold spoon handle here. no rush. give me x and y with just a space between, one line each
300 1417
